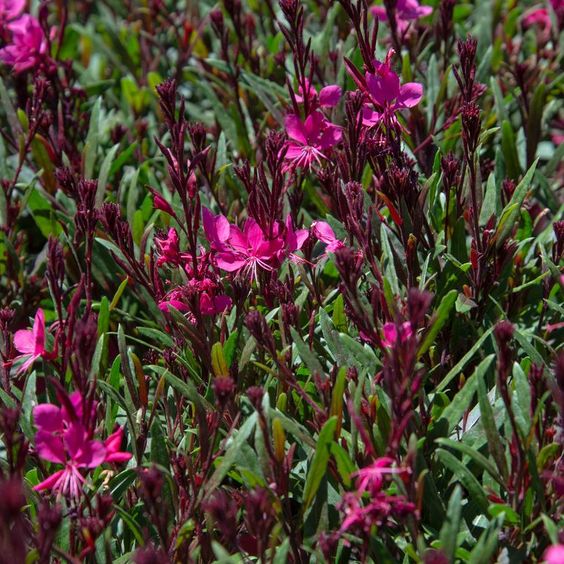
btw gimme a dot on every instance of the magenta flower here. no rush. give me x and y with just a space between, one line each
113 445
386 95
31 342
390 331
213 305
371 478
310 140
10 9
248 249
554 554
328 96
323 231
240 250
61 438
406 11
169 250
237 250
28 44
208 293
74 451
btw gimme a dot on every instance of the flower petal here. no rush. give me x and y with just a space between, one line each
48 417
329 96
410 94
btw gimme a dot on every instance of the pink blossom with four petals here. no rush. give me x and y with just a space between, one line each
241 250
386 94
28 44
371 478
62 438
310 140
31 342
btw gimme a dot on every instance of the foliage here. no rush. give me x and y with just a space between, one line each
281 282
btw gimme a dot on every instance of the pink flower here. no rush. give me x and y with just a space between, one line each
371 478
113 444
310 140
10 9
216 228
248 249
28 44
245 250
74 450
323 231
328 96
237 249
213 305
61 438
211 301
168 249
386 95
31 342
390 331
554 554
406 11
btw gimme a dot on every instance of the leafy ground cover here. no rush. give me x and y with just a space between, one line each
281 282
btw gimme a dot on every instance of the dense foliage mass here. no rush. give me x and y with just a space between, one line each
281 281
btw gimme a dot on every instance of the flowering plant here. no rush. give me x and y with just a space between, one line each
281 281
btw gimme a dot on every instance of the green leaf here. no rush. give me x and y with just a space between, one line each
345 466
462 474
512 210
458 367
441 317
230 456
118 398
492 200
484 550
308 357
187 389
319 462
454 411
451 526
29 400
478 458
509 148
104 174
488 422
92 139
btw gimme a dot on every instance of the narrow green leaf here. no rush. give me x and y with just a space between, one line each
463 475
441 317
459 366
451 526
454 411
488 422
308 357
319 462
230 456
92 139
478 458
484 550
